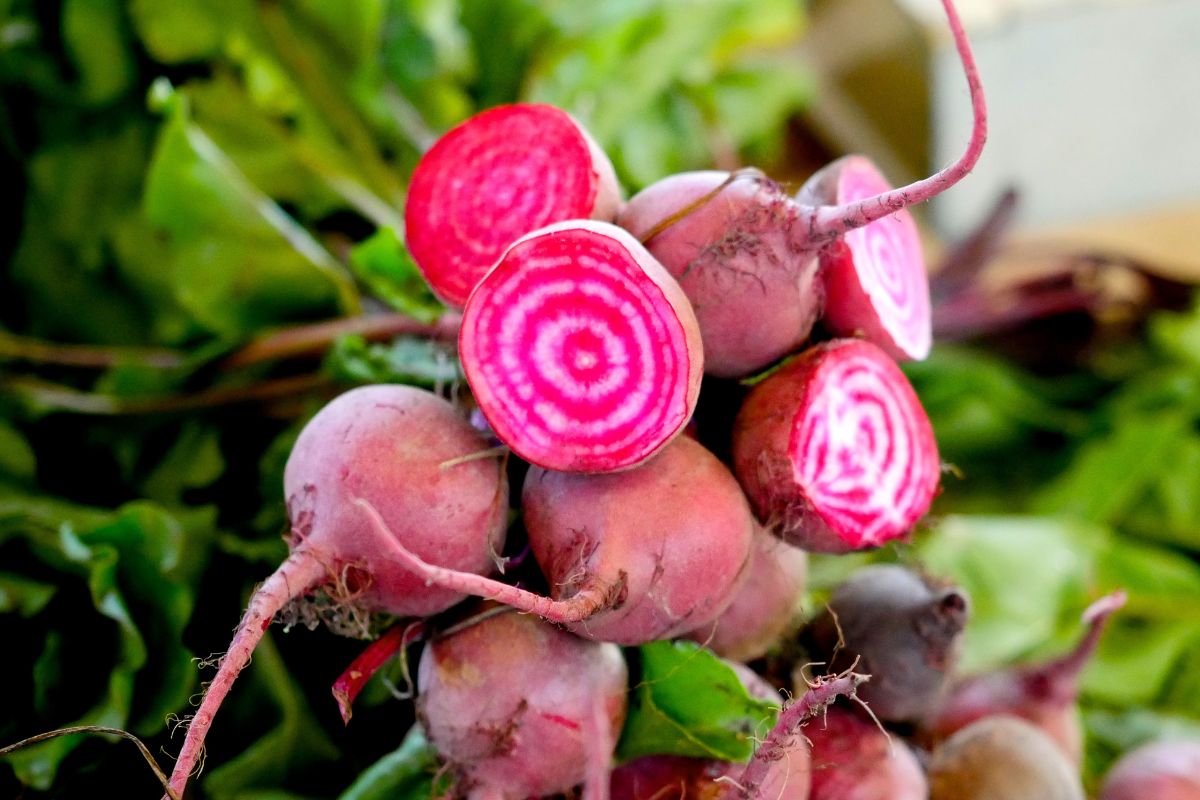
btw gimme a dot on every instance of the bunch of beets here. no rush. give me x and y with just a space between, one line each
587 326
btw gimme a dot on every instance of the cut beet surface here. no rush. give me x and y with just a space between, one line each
835 451
581 350
494 178
875 279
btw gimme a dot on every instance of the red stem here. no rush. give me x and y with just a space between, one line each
576 609
820 695
379 652
833 221
299 573
1060 677
307 339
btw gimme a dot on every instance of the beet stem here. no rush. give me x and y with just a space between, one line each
822 692
833 221
576 609
351 682
295 576
1062 674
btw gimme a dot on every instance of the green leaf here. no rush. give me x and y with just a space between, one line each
179 31
21 595
17 459
383 263
407 359
689 703
94 34
240 262
406 773
121 580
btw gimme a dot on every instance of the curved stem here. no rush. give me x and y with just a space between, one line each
299 573
1061 676
829 222
578 608
822 692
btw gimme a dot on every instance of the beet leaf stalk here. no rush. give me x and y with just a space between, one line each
773 752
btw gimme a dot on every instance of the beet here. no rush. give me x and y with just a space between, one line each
854 759
1162 770
835 451
582 352
384 446
519 708
1043 694
764 607
494 178
631 557
901 628
1002 758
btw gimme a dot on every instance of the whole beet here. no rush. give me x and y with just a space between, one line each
903 629
1163 770
1002 758
853 758
520 708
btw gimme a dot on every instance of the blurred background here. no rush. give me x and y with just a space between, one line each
204 242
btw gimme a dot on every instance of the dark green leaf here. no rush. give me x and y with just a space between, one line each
406 773
406 360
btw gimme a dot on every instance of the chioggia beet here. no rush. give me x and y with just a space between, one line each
520 708
835 450
399 451
630 557
494 178
582 352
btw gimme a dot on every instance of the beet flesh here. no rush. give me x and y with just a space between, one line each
875 279
835 451
520 708
492 179
582 352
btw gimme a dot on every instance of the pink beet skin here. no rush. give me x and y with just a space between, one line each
631 557
582 352
492 179
835 451
854 759
385 446
1163 770
519 708
735 249
764 607
876 284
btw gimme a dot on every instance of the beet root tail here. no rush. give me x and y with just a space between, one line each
299 573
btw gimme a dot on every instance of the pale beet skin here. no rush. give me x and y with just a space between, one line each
1002 758
765 606
1168 769
369 470
520 708
630 557
582 351
492 179
738 258
835 451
